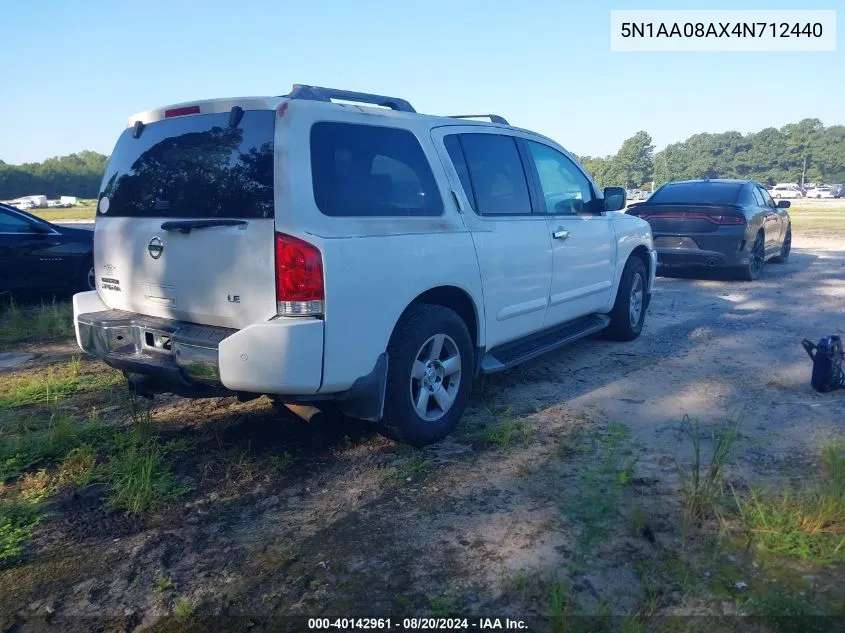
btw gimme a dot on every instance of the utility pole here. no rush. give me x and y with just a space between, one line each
803 171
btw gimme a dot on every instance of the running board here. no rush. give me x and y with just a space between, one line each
512 354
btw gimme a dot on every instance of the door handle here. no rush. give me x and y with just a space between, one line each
560 235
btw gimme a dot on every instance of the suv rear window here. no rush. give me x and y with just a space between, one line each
368 170
697 192
194 167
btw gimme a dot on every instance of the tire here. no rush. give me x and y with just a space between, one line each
777 195
785 248
628 314
756 260
86 280
417 373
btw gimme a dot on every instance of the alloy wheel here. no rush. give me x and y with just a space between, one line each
637 294
435 377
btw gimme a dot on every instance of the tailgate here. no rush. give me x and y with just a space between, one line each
184 228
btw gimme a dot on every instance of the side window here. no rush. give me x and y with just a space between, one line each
565 189
12 223
767 199
456 153
758 197
496 174
746 197
367 170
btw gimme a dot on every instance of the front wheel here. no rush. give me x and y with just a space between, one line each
785 248
628 314
429 375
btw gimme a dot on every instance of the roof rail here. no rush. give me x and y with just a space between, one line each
494 118
316 93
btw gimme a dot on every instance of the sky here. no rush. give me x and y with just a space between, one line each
73 72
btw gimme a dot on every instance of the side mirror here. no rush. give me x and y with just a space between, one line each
615 198
784 204
41 229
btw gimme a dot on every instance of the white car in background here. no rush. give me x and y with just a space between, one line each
822 191
786 191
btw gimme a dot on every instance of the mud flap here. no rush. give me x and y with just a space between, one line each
365 399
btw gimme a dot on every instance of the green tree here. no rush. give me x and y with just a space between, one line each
634 161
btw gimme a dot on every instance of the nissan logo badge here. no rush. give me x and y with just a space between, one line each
155 247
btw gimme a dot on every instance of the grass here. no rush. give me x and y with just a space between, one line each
502 430
703 485
443 606
789 613
84 210
408 470
811 223
602 486
808 522
800 207
139 477
35 324
162 583
17 520
38 387
183 608
22 453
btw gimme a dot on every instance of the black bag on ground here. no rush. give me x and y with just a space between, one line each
827 363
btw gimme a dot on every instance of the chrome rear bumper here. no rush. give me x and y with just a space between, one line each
176 354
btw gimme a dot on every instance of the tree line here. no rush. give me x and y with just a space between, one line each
806 149
74 175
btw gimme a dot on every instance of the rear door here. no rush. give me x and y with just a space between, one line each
774 227
583 240
26 257
512 242
184 227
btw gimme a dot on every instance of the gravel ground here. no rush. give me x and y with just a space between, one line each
359 526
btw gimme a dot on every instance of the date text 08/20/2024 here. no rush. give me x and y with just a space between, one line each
415 624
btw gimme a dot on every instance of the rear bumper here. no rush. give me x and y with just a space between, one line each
169 356
279 357
725 248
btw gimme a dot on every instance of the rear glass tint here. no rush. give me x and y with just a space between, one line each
368 170
697 192
194 167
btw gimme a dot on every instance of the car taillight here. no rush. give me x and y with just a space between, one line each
715 218
727 219
299 277
195 109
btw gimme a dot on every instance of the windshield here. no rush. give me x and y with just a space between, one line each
194 167
697 193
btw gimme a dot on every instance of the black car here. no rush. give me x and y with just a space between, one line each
726 223
37 256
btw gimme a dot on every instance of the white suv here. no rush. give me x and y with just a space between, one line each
370 260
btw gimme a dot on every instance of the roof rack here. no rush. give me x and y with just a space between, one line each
316 93
494 118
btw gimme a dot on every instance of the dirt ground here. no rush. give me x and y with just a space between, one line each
512 516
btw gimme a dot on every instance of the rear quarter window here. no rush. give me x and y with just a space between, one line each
368 170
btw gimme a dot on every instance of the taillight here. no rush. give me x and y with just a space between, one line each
727 219
194 109
299 277
715 218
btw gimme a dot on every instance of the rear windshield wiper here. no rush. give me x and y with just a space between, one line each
186 226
